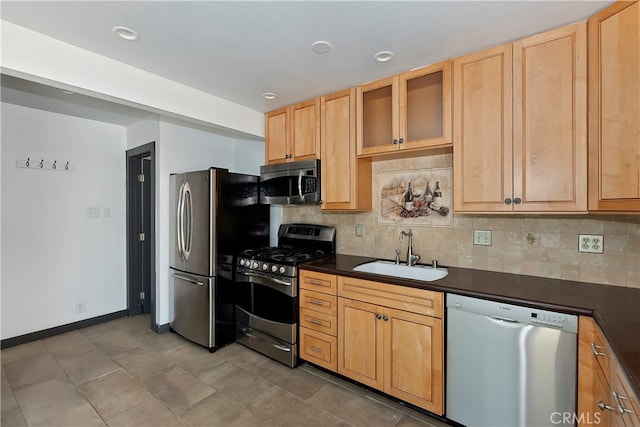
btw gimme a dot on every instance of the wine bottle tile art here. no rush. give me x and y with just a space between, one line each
415 197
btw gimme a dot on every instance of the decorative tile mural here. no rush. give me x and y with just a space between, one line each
415 197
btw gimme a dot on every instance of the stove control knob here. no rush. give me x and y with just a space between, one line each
242 261
274 268
254 264
265 266
282 270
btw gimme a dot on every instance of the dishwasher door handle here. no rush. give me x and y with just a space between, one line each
501 319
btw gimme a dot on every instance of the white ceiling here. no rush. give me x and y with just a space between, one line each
238 50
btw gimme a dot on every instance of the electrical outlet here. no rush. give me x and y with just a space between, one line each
93 212
591 243
80 307
482 237
359 230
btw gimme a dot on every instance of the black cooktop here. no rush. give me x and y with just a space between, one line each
285 254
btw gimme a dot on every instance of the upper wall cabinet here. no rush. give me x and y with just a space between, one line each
293 132
346 179
614 109
410 111
520 125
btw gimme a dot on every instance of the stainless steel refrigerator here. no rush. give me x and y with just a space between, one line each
214 214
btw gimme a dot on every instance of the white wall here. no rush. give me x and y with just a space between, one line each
181 148
53 256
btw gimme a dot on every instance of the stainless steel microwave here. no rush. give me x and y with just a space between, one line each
293 183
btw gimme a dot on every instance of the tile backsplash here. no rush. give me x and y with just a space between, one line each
553 251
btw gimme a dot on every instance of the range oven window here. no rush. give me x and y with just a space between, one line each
267 303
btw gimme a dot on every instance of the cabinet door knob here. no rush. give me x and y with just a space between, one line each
507 201
378 316
385 317
517 200
401 140
394 142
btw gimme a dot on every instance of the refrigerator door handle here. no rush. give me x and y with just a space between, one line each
179 222
188 279
187 209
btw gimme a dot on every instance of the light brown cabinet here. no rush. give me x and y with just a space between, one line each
346 179
604 395
318 321
614 109
520 125
409 111
293 133
389 339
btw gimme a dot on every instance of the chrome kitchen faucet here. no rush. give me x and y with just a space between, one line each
412 259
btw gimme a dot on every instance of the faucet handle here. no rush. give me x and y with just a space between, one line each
397 256
434 263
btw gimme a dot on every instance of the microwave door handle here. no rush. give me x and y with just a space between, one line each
300 186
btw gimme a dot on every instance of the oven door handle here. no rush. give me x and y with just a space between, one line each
273 279
244 331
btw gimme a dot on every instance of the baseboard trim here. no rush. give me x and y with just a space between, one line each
46 333
160 329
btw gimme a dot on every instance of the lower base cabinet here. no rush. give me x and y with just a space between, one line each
605 396
395 351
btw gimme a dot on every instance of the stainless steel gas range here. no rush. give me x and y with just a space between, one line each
267 289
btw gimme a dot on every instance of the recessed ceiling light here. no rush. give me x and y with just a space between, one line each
269 95
384 56
126 33
321 47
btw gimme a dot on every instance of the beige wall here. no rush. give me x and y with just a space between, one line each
554 253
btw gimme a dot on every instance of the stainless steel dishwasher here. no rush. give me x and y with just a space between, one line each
509 365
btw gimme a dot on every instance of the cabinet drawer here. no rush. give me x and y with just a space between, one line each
320 322
318 348
320 282
318 301
414 300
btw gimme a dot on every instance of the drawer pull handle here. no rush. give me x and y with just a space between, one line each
315 302
317 349
315 322
604 406
315 282
596 350
619 398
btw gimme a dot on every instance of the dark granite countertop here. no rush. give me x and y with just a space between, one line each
616 309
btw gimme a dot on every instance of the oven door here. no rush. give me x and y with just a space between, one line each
267 315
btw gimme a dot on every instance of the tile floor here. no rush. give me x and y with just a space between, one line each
120 373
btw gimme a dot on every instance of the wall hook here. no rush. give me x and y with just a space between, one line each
41 163
66 167
27 162
53 166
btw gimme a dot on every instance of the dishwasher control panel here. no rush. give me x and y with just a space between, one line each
511 314
555 320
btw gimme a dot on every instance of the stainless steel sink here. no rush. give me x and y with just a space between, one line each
416 272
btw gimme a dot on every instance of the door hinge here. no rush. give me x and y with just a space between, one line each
141 237
141 178
141 295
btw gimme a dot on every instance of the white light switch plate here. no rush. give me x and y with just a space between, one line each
482 237
591 243
359 230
